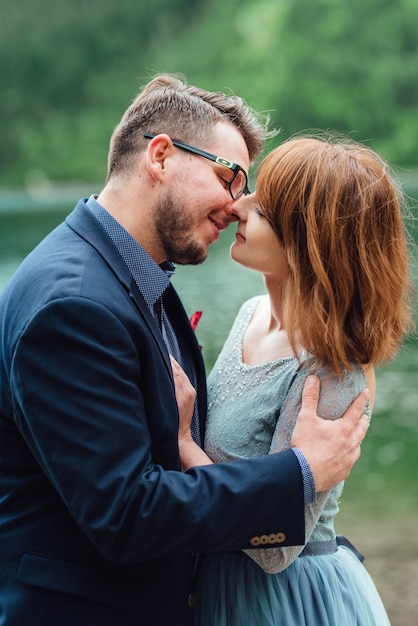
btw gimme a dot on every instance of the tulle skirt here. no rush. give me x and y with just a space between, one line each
319 590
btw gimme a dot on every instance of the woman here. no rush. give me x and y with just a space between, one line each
326 232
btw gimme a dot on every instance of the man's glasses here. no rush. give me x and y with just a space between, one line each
238 185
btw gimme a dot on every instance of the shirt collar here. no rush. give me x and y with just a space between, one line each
151 279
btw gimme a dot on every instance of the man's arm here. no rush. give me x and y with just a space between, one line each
99 417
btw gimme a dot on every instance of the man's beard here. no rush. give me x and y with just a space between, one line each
175 231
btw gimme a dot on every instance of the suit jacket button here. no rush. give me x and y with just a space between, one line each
190 601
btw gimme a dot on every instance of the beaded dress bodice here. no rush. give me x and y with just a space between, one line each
252 410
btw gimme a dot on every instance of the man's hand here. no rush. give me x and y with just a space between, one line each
185 396
330 447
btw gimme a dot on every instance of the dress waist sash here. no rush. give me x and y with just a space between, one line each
330 546
319 547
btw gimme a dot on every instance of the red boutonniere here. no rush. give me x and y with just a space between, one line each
195 318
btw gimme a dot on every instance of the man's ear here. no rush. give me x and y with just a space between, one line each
160 148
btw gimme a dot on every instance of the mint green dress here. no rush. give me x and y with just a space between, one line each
252 411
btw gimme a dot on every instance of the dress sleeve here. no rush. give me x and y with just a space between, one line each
335 397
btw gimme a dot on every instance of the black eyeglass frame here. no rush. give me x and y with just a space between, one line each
234 167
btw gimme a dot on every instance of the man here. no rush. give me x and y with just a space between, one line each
98 523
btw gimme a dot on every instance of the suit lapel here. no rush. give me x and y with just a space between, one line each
188 343
86 226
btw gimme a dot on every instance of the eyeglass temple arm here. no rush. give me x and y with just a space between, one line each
187 148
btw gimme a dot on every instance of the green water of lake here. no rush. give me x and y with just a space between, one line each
387 471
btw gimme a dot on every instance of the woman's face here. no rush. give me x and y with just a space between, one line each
256 245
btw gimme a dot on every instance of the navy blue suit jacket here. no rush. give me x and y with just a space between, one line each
97 522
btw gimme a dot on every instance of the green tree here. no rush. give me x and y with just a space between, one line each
352 67
69 68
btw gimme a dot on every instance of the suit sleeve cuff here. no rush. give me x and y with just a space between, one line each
309 490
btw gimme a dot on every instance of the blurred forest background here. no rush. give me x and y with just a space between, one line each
69 69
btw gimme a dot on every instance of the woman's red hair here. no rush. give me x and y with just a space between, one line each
338 214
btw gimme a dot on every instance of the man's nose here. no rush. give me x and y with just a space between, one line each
231 215
239 209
